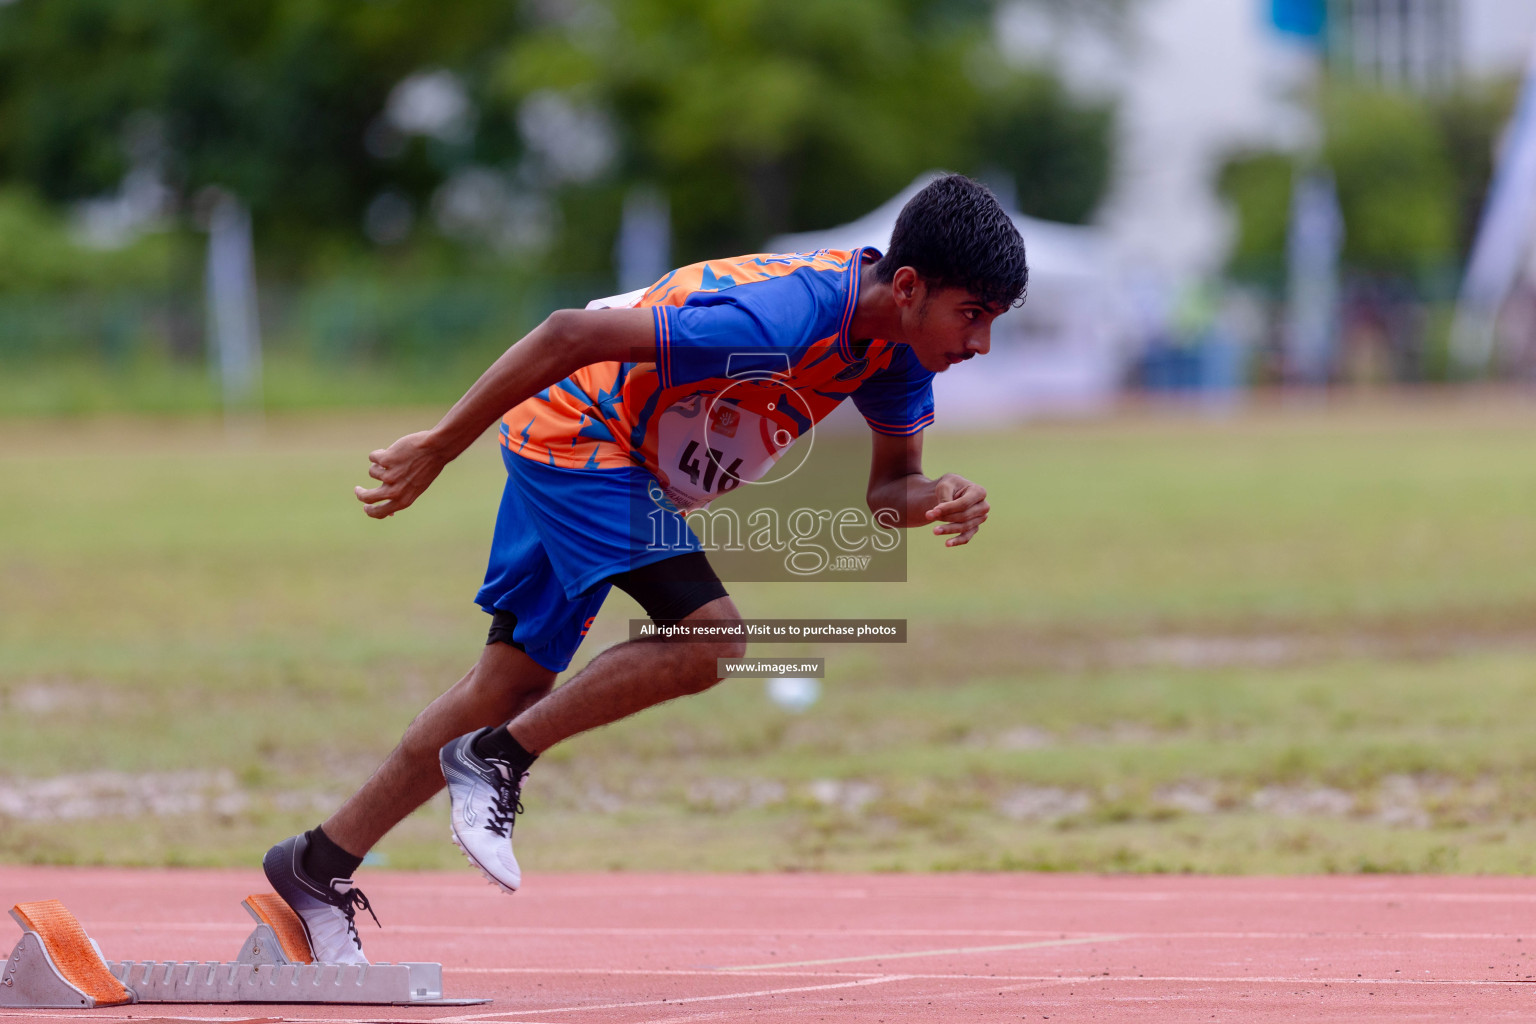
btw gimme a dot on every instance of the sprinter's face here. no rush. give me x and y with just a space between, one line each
943 326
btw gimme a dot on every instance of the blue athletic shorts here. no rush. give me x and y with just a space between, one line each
561 534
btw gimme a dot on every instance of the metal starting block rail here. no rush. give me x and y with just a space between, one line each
56 965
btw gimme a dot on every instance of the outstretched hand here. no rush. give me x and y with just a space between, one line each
404 470
961 510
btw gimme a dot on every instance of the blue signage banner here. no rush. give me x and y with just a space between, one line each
1306 18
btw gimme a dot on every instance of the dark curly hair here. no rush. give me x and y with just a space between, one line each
955 234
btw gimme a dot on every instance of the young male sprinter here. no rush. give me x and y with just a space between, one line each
595 442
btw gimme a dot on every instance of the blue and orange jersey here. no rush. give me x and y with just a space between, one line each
750 353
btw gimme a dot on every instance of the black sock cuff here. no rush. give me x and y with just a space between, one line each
502 745
324 861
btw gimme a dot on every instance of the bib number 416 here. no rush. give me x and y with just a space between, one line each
697 467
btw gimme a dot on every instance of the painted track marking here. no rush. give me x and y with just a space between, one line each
1013 983
765 993
1303 945
928 952
175 927
1031 978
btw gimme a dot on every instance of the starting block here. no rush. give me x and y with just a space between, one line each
57 965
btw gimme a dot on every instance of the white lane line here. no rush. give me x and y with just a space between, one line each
700 1015
1069 896
731 1014
1072 897
1015 983
1103 979
402 1020
172 927
938 933
929 952
822 1005
1233 979
738 1012
697 972
103 1014
759 891
990 977
877 889
395 1020
991 988
1020 983
1282 980
759 993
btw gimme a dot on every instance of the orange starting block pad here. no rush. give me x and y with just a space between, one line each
56 965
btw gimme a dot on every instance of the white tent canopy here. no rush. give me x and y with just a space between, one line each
1055 250
1060 353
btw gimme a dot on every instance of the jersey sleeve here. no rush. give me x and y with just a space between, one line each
897 400
761 326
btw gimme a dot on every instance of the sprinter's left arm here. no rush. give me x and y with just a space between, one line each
955 505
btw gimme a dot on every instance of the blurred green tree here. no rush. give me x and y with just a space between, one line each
758 117
1394 179
1057 149
1470 121
271 101
1411 173
1258 187
38 253
752 116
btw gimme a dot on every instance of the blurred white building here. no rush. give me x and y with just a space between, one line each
1196 80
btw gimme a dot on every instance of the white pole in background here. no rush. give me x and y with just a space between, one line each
1312 257
1503 237
234 332
642 251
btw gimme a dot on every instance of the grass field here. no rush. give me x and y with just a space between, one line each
1292 640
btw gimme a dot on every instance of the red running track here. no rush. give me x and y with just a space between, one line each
677 949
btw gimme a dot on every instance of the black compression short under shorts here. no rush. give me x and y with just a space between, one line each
672 589
669 590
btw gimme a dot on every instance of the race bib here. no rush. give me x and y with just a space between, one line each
708 445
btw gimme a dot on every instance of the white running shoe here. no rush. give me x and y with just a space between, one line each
325 911
485 801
